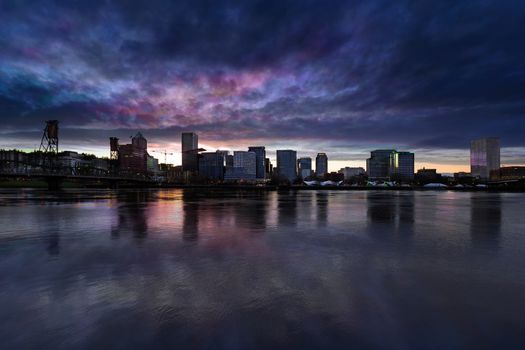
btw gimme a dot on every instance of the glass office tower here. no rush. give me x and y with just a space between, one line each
260 153
287 164
484 157
190 153
321 164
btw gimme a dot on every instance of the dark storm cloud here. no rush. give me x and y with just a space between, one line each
462 54
254 33
415 74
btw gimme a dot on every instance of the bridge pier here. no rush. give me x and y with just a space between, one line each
54 183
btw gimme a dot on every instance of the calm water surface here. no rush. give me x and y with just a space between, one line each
200 269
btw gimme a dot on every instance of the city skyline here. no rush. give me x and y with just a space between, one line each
189 142
199 166
262 174
338 78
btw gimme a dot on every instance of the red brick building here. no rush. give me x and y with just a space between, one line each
133 157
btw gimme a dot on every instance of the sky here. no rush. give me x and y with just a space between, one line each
340 77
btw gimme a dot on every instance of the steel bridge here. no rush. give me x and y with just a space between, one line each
55 178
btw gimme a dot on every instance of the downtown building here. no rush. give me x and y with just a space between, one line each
229 160
153 165
225 154
484 157
508 173
133 157
268 166
351 172
390 165
211 165
427 175
304 167
321 164
190 152
403 166
18 161
287 164
260 158
244 166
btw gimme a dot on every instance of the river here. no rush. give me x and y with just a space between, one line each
203 269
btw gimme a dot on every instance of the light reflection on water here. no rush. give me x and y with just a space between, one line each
257 270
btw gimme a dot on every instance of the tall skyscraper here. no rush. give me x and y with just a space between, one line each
260 153
389 164
190 153
321 164
287 164
484 157
304 167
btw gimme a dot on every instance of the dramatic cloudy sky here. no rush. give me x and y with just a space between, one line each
341 77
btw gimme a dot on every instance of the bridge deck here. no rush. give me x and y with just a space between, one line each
44 175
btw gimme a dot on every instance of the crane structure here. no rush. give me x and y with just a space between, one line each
166 153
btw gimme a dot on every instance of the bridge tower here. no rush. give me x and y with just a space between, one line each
113 155
49 144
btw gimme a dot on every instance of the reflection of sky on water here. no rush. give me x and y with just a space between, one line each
246 270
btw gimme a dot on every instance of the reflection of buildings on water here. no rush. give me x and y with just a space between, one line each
251 210
395 209
190 220
53 243
50 226
485 219
53 234
321 206
406 203
222 214
287 208
225 222
132 214
406 208
306 209
381 207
